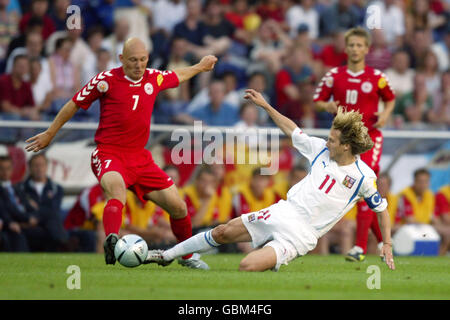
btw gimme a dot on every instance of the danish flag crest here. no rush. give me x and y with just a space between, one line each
92 84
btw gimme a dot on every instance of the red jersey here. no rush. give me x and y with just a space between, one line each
126 106
357 91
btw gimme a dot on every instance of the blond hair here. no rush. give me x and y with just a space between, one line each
358 32
353 131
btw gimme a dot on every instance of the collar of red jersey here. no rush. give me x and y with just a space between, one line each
355 74
131 80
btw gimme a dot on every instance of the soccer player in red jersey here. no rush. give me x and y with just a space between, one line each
120 161
359 87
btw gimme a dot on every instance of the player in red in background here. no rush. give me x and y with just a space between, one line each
359 87
120 161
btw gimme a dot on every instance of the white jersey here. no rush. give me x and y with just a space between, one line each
329 191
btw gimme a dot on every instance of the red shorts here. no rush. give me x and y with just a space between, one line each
373 156
137 168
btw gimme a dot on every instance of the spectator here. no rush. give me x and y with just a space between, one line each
114 42
441 218
271 10
192 28
442 50
392 21
82 225
303 13
269 47
175 100
400 75
40 85
64 75
415 105
248 113
35 25
420 16
21 228
162 25
418 46
333 55
34 48
43 200
341 15
428 65
288 79
8 31
218 30
58 14
257 81
38 9
204 205
217 112
16 96
239 16
417 205
379 56
440 114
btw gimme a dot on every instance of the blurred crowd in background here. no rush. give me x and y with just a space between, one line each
279 47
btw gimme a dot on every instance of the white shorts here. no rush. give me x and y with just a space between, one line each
281 227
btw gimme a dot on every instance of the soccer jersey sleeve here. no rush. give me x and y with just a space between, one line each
324 90
93 90
308 146
384 88
166 79
371 195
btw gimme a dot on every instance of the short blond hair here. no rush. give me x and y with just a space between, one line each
353 131
358 32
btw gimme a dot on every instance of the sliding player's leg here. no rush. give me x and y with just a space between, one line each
231 232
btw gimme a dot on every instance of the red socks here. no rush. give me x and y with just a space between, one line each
112 216
366 219
182 229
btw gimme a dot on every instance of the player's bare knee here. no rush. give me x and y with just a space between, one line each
219 234
249 266
178 210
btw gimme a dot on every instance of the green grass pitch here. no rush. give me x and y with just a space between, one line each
43 276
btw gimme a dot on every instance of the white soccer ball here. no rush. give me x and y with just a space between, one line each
131 250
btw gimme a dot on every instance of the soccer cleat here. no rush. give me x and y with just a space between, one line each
355 255
194 262
156 256
108 246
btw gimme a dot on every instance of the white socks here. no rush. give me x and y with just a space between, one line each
198 243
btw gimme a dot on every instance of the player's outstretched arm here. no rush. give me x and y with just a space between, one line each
285 124
206 64
42 140
386 250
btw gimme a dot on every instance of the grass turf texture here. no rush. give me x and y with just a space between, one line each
43 276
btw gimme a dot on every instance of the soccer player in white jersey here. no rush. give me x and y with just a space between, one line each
290 228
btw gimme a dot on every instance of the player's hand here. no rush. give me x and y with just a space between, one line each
256 97
386 254
332 107
38 142
382 119
207 63
14 226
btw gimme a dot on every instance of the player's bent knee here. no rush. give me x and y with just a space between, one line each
250 266
220 234
178 210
